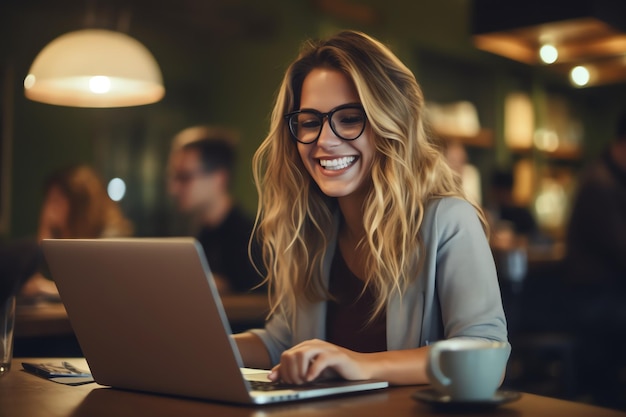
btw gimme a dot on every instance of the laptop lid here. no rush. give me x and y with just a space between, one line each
148 317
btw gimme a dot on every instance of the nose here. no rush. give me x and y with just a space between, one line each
327 136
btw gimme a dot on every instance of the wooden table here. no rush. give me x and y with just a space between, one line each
50 318
26 395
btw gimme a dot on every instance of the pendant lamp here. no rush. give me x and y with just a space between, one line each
94 68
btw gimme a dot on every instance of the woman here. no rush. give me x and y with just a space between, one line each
372 252
76 205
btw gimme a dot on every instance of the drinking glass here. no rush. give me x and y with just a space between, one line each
7 321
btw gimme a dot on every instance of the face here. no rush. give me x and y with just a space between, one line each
191 187
340 168
56 209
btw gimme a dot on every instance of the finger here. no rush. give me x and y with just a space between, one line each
322 362
295 363
274 374
291 369
335 362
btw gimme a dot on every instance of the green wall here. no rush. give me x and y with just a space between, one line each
232 80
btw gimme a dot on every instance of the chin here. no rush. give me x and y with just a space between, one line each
338 190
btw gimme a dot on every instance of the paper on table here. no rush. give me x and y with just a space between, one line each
63 373
72 380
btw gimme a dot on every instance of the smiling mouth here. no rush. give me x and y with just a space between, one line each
338 163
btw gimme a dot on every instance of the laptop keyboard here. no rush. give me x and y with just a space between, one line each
269 386
273 386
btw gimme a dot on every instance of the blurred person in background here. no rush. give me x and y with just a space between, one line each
595 267
76 205
597 230
201 169
457 158
512 224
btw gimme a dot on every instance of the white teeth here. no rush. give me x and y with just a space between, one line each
337 164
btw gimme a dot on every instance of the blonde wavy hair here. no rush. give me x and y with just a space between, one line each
294 217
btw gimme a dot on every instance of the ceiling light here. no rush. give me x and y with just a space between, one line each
586 32
548 54
94 68
580 76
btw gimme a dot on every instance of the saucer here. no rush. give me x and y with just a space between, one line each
442 401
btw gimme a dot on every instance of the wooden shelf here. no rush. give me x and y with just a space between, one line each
483 139
520 150
565 153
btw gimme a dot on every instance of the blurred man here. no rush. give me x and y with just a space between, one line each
596 273
597 230
201 169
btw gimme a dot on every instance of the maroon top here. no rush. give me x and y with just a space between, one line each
348 314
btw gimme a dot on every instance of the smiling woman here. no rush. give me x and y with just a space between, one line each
371 248
339 158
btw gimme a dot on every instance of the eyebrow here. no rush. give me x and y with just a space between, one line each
319 111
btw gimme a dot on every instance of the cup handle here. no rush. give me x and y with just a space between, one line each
435 369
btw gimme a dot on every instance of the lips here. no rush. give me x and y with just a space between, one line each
337 163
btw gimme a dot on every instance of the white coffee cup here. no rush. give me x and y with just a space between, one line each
467 369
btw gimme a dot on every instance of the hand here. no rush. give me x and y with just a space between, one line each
37 285
315 358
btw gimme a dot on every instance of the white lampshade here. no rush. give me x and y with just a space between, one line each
94 68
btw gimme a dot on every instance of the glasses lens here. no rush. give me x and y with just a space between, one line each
305 126
185 177
348 123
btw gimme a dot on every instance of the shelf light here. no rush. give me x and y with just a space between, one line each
546 140
116 189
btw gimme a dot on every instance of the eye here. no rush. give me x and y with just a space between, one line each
308 121
350 116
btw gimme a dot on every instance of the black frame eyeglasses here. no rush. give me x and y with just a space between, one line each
346 121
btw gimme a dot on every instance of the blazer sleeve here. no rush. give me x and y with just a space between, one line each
276 335
466 279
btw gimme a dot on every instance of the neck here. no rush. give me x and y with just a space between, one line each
352 210
216 212
351 236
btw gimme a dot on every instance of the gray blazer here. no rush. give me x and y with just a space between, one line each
455 294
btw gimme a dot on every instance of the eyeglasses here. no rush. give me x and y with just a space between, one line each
346 121
185 177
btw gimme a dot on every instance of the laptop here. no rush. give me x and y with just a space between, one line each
148 317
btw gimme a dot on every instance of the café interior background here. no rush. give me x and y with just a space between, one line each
222 62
